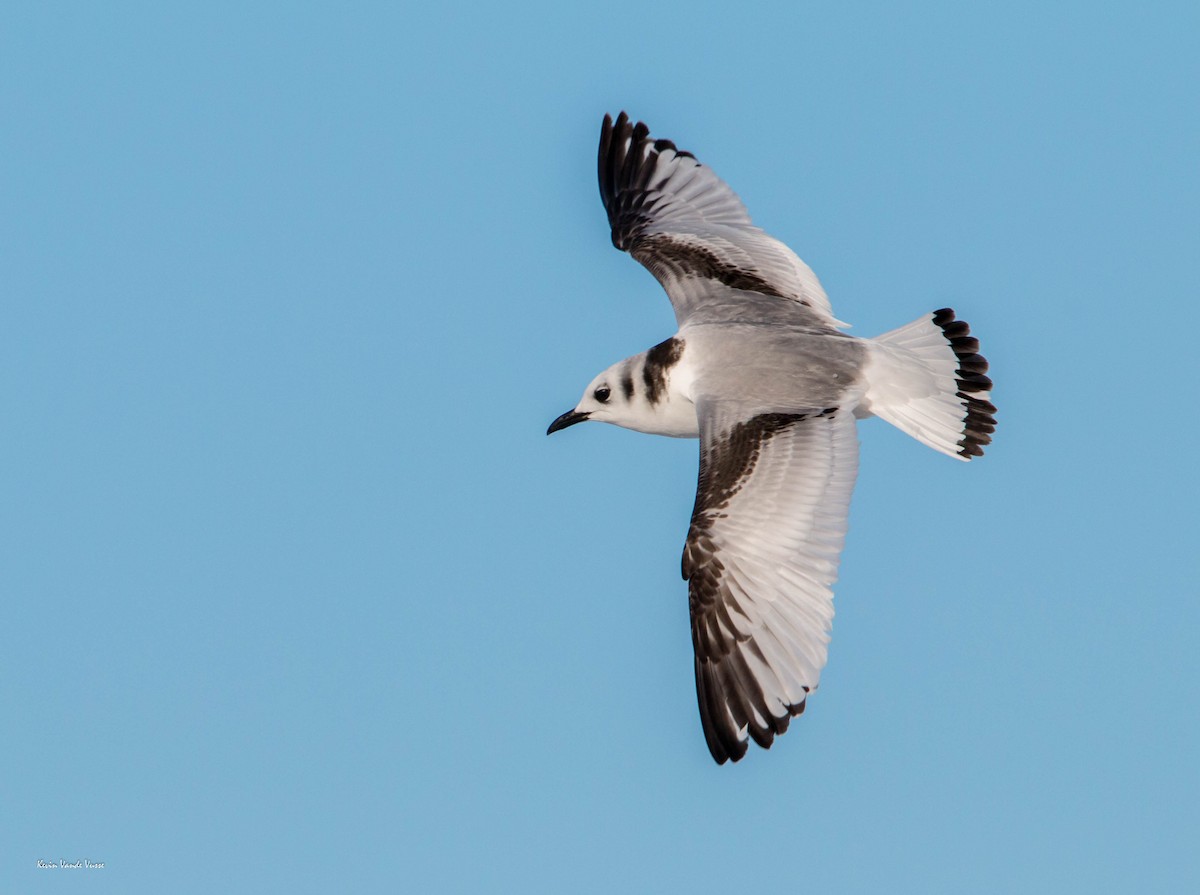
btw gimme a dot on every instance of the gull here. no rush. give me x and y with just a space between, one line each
761 372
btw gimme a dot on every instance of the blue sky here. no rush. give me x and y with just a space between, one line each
299 597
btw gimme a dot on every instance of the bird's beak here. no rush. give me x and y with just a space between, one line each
570 418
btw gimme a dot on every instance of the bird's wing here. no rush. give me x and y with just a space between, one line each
691 231
761 558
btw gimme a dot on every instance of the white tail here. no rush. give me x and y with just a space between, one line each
927 379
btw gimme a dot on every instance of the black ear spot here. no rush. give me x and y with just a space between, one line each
602 394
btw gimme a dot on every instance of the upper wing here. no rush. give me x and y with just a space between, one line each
761 558
687 226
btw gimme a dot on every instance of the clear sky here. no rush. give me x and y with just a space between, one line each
297 595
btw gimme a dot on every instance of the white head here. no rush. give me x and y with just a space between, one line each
609 398
638 393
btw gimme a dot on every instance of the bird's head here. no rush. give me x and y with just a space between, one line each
607 399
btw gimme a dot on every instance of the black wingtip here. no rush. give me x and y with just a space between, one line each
626 160
615 144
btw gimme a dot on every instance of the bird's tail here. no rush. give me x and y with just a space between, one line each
928 379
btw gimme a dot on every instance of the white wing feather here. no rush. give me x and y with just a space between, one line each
761 559
683 222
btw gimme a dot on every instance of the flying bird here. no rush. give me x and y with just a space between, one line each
761 372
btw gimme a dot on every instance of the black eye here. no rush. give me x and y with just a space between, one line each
602 394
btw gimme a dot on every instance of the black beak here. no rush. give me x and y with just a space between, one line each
570 418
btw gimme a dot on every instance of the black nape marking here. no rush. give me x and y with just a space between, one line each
659 361
980 421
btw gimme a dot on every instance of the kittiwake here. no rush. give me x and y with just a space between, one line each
761 373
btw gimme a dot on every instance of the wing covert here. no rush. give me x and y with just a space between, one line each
689 229
761 558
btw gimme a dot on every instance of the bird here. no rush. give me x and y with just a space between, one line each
762 373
